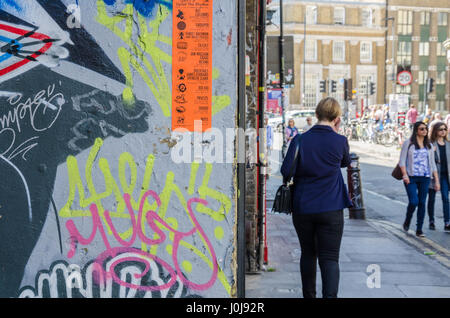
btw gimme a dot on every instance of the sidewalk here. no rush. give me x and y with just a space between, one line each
405 270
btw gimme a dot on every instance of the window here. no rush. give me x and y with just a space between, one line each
404 53
311 15
440 78
339 15
425 18
365 51
440 105
311 89
404 22
424 48
366 17
442 18
440 49
311 50
423 75
364 86
339 94
338 51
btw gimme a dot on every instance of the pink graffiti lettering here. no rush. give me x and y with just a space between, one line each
152 219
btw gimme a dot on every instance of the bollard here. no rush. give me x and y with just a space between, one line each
355 189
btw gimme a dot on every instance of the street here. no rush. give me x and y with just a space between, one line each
408 266
385 199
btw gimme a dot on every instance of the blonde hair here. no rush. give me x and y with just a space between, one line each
328 109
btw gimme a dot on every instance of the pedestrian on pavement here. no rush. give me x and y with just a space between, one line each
418 164
447 120
428 116
290 132
269 137
308 124
411 116
319 197
436 119
441 146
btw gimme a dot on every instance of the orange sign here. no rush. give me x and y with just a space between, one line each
192 64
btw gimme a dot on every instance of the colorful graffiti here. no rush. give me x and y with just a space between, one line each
81 105
91 205
64 280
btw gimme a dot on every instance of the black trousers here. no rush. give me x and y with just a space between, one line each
320 237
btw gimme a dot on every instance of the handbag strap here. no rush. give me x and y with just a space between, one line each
297 150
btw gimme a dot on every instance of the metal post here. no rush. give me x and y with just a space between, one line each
241 244
355 189
262 162
394 77
283 150
424 107
304 57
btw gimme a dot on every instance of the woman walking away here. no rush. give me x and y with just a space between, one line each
418 165
290 132
319 197
441 146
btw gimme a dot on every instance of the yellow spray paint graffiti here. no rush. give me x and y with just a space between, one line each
136 55
113 190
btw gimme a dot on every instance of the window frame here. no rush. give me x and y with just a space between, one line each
342 18
405 19
307 57
308 13
369 18
441 21
425 17
370 46
424 48
343 51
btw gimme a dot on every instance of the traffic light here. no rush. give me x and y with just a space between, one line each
348 94
372 88
323 86
333 86
430 84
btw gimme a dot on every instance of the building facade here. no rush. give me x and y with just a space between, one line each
340 40
415 43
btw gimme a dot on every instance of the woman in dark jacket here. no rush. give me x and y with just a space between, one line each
320 195
441 144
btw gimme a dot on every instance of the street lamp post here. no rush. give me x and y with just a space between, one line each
393 78
283 150
447 47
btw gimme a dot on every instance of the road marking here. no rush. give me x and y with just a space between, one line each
385 197
442 254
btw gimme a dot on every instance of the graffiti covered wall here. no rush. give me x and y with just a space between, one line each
91 202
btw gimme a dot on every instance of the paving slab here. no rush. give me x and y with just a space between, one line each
425 291
404 271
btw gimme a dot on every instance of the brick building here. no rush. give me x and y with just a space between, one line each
353 39
344 40
420 28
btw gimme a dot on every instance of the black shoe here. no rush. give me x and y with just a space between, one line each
447 228
420 234
432 227
406 226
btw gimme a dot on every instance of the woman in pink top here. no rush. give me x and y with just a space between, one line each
411 115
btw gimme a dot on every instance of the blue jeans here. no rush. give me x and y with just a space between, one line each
417 191
445 201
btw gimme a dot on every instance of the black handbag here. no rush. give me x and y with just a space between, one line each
397 173
283 202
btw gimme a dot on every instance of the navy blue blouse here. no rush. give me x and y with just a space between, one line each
318 182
